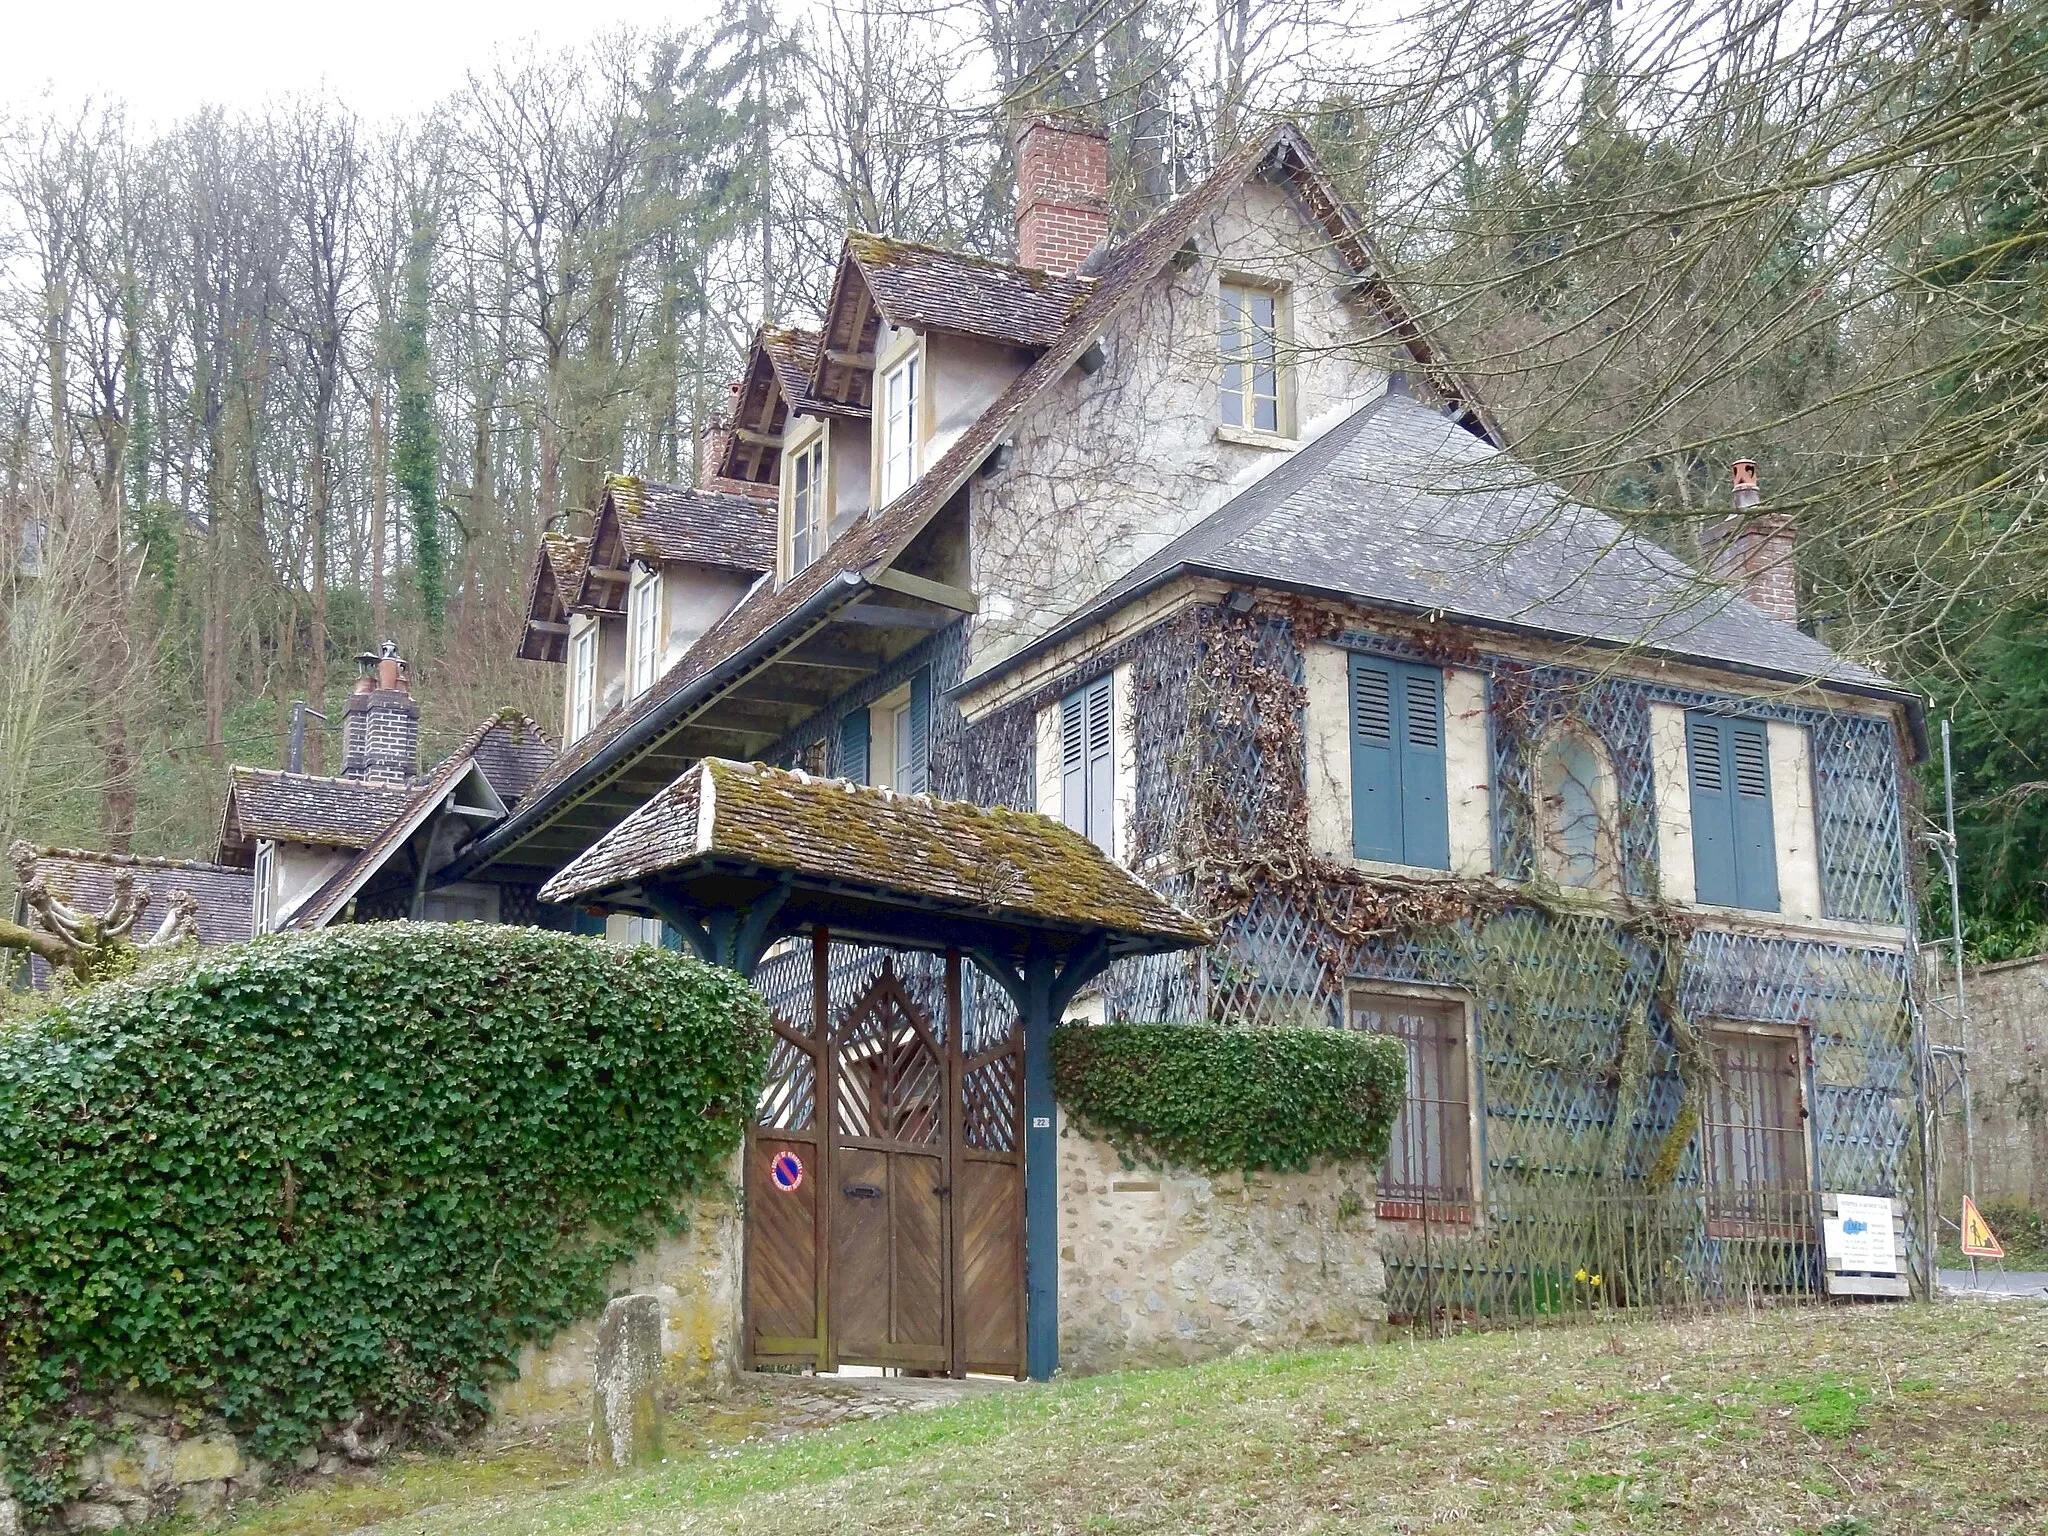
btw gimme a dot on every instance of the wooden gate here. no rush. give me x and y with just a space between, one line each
885 1187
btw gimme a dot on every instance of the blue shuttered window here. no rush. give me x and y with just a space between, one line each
1399 811
921 732
853 747
1734 846
1088 764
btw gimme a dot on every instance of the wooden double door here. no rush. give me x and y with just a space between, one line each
885 1188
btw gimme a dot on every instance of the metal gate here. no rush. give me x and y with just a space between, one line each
885 1185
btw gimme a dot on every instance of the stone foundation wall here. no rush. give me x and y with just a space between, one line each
1175 1267
2008 1015
697 1277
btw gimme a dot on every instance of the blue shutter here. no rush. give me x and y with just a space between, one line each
1375 764
1101 768
1425 815
1074 762
1755 839
921 732
853 747
1713 822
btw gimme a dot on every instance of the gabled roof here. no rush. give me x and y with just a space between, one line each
655 523
305 808
775 385
509 742
1397 505
84 878
949 855
773 618
557 574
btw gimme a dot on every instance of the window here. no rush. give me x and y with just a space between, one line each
902 760
806 506
1734 843
582 681
643 607
889 742
1248 327
259 906
899 428
1429 1161
1088 763
1399 812
1577 789
1753 1134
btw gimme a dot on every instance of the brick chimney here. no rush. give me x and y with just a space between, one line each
380 725
1062 191
1752 550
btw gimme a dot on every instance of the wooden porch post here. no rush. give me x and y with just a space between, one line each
1041 1180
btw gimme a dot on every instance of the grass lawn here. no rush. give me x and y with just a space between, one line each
1834 1422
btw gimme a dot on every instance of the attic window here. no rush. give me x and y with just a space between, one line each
900 387
806 506
643 620
582 681
1248 338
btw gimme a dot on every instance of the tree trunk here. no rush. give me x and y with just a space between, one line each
380 617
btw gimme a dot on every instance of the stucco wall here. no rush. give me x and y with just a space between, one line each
1110 466
1170 1268
697 1276
2008 1018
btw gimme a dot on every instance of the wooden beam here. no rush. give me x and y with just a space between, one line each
830 659
547 627
767 689
849 359
882 616
959 599
755 439
609 572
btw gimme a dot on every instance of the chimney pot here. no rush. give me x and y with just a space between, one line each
1062 191
380 727
1747 492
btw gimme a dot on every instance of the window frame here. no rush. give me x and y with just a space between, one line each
643 613
1423 1202
259 885
1234 352
1411 826
583 649
805 527
1604 792
909 368
1733 1206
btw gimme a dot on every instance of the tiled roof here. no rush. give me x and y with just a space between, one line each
793 354
508 743
84 878
556 578
309 808
1397 504
998 862
880 536
923 288
660 522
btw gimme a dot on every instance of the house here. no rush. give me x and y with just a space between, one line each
1194 541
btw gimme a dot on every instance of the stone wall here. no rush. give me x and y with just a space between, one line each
697 1276
1168 1268
2008 1019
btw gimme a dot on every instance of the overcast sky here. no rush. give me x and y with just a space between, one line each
383 57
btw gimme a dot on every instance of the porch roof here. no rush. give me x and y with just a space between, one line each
866 862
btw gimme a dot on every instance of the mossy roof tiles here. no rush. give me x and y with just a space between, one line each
1005 864
923 288
659 522
310 808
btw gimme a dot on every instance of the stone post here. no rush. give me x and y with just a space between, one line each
625 1408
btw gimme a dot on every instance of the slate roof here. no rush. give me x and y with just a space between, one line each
84 878
309 808
507 744
659 522
923 288
1398 505
883 533
1002 863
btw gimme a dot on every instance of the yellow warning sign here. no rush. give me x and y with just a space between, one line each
1979 1242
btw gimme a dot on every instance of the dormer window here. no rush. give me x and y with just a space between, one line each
806 505
1248 338
582 681
643 631
899 427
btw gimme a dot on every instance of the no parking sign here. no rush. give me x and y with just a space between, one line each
787 1170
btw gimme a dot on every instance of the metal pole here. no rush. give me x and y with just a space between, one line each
295 755
1955 914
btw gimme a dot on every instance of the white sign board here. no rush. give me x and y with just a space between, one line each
1859 1235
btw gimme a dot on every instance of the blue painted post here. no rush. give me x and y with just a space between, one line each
1041 1186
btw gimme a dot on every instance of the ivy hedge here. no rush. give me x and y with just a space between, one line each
343 1173
1224 1100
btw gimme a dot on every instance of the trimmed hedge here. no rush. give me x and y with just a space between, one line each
345 1172
1224 1100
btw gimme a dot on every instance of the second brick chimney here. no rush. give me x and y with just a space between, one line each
380 725
1062 191
1752 550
